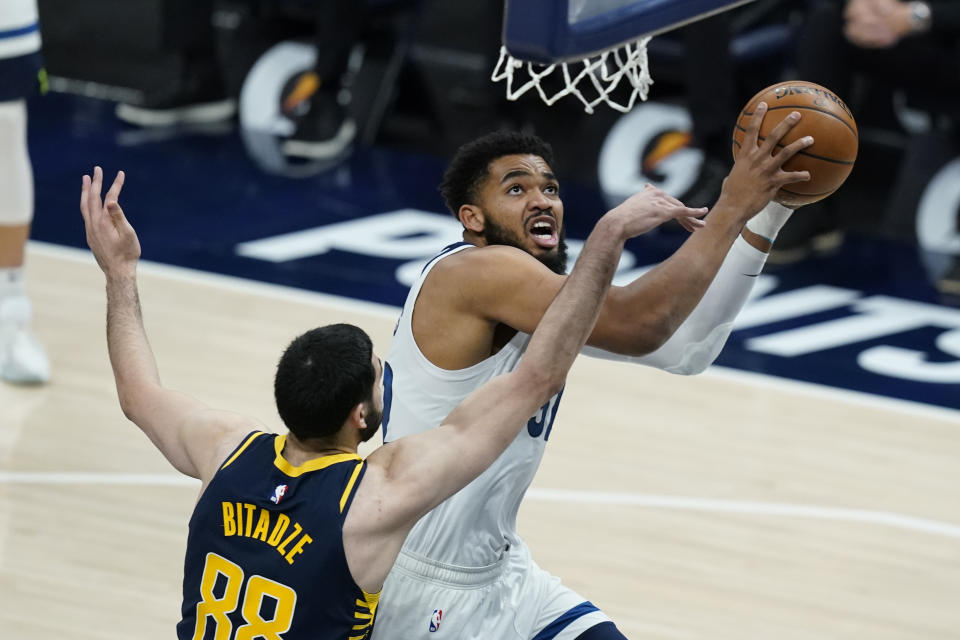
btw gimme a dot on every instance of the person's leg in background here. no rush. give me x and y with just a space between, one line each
711 98
200 95
822 50
822 56
22 358
317 99
867 79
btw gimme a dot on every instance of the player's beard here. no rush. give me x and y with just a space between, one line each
373 420
555 260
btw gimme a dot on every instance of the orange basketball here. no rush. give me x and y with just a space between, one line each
823 116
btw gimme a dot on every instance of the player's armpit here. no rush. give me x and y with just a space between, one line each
194 438
210 436
371 536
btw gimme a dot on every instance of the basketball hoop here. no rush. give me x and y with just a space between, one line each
591 80
595 50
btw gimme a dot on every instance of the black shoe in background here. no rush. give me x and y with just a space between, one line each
200 99
324 128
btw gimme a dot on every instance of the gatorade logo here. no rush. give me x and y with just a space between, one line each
649 144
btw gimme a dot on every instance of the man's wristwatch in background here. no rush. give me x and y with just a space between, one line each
920 17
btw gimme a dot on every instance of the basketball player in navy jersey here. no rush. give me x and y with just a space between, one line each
293 535
465 557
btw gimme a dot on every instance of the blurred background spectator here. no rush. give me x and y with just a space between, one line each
889 59
22 358
319 100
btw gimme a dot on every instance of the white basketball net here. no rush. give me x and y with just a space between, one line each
591 80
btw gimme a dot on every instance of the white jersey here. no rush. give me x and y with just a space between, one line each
473 527
19 30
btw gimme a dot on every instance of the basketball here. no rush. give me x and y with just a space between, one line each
825 117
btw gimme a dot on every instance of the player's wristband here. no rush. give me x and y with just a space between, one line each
768 222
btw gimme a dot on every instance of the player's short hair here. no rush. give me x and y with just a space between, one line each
471 164
322 375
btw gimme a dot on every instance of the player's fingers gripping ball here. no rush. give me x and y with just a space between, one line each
825 117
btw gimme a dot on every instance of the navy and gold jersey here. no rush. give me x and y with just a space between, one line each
265 552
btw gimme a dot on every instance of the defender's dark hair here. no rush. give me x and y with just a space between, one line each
471 164
322 375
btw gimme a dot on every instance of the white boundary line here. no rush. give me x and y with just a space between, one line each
679 503
97 478
848 396
243 285
229 283
743 507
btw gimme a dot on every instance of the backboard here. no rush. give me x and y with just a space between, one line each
594 50
548 31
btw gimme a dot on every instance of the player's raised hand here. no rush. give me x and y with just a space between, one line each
111 238
758 172
650 208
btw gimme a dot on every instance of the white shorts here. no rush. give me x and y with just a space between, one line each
513 599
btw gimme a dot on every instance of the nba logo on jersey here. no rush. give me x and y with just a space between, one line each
278 493
435 619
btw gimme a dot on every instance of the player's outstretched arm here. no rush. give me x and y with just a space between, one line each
701 337
193 437
410 476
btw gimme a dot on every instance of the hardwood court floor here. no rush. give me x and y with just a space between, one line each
720 506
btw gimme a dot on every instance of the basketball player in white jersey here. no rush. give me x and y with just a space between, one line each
463 572
22 359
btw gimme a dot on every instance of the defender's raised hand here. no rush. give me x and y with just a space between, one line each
111 238
650 208
758 173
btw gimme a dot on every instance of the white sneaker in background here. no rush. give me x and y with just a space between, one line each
22 358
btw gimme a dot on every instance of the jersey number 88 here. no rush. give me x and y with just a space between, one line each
217 609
